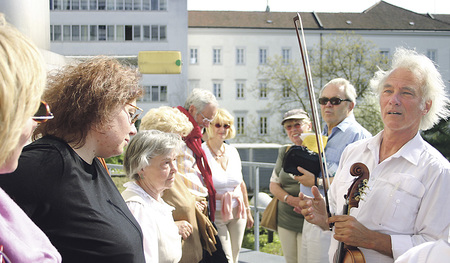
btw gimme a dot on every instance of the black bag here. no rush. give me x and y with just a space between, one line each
301 156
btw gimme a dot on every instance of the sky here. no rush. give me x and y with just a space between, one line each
418 6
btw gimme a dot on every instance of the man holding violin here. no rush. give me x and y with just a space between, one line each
404 201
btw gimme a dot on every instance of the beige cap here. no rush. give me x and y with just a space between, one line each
296 114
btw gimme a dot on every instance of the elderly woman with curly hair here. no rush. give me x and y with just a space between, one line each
61 184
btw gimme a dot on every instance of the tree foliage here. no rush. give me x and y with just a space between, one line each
341 55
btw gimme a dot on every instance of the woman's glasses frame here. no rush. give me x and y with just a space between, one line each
43 113
136 114
225 126
333 100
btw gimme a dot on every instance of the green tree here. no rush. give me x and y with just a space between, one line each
439 137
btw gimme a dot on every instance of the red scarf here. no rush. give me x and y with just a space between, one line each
194 142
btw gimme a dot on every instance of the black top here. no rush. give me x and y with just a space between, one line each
76 204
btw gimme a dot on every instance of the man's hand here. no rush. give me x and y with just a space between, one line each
313 209
350 231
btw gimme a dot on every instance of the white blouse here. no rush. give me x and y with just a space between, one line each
225 180
162 243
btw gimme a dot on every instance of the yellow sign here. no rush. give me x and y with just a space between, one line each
159 62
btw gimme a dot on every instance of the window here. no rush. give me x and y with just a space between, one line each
240 56
137 33
101 4
263 125
155 93
146 33
158 5
285 90
136 4
155 33
432 54
217 89
75 5
57 34
193 59
128 33
263 90
128 4
262 56
119 4
92 4
286 55
84 33
102 33
110 33
384 53
110 4
75 33
93 33
240 89
120 33
66 33
84 4
217 56
240 125
162 33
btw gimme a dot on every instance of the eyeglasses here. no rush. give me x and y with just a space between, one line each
297 125
206 119
134 116
43 114
333 101
225 126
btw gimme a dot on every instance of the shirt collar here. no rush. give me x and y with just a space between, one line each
343 125
411 151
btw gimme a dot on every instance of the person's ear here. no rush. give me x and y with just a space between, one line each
427 107
192 110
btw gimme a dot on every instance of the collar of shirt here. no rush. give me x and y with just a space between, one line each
343 125
411 151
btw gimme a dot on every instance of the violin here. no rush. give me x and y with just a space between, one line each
345 253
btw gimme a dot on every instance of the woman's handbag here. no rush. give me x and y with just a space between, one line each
269 217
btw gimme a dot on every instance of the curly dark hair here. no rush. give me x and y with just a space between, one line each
82 97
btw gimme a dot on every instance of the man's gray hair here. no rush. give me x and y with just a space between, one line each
199 98
431 85
349 89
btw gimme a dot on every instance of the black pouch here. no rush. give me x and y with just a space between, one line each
303 157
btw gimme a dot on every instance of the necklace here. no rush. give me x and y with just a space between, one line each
220 152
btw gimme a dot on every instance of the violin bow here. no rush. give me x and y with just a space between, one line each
312 99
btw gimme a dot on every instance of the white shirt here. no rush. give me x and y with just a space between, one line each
225 180
407 198
162 243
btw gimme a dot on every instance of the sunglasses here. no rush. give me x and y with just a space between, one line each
297 125
333 101
43 114
225 126
134 116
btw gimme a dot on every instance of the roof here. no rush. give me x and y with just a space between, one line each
381 16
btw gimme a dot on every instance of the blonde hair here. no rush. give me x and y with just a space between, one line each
167 119
222 117
22 81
